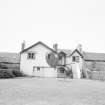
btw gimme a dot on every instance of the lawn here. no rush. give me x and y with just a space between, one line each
50 91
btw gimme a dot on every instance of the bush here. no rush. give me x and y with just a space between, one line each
17 73
84 73
6 74
69 73
89 74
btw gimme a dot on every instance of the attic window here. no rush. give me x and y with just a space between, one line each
31 56
75 58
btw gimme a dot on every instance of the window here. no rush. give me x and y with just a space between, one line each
75 58
38 68
31 56
49 56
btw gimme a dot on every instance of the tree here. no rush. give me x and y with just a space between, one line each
52 59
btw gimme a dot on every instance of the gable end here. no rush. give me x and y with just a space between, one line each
37 44
76 50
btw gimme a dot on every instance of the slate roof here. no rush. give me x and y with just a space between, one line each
94 56
9 57
88 56
66 51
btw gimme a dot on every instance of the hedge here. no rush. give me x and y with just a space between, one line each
17 73
5 73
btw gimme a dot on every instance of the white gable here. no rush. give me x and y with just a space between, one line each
40 58
76 54
38 48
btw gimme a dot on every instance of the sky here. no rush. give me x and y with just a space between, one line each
65 22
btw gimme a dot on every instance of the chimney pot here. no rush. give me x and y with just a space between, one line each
23 45
79 47
55 47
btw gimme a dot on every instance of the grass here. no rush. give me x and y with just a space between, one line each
50 91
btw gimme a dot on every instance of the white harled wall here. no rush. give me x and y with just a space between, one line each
76 66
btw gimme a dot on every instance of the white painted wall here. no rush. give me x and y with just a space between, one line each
76 71
50 72
26 65
69 59
38 73
76 66
45 72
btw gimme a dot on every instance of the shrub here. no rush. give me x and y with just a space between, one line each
6 74
89 74
69 73
17 73
52 60
85 73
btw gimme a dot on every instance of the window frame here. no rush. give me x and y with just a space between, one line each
75 58
31 56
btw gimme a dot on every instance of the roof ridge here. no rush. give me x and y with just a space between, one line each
37 44
94 52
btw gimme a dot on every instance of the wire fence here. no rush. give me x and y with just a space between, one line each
96 75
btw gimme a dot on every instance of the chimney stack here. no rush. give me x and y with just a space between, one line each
55 47
79 47
23 45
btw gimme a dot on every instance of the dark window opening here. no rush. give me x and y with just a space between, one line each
75 58
38 68
49 56
31 56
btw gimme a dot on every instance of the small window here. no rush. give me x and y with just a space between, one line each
38 68
31 56
75 58
49 56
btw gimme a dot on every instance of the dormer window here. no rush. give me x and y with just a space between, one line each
75 58
31 56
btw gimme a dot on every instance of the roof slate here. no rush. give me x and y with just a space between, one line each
66 51
94 56
88 56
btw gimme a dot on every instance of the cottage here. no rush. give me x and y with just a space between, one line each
43 61
34 61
